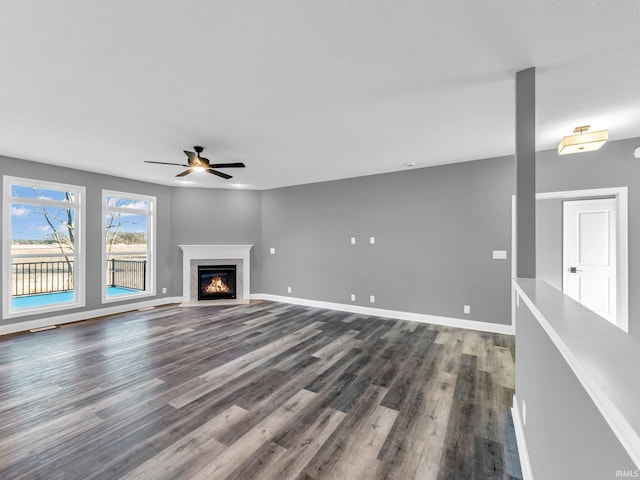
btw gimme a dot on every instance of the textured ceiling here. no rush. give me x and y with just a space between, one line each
305 91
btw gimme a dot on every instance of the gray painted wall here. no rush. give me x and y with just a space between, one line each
94 184
435 229
214 217
612 166
567 437
549 241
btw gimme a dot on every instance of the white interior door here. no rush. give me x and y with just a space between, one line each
589 254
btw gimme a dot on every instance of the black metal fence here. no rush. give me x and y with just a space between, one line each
32 278
127 273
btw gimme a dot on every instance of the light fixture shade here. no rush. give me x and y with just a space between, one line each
583 142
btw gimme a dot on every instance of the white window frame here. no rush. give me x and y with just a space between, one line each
151 240
78 254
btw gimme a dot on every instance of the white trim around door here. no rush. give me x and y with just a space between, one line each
622 240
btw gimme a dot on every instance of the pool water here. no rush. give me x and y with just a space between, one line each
30 301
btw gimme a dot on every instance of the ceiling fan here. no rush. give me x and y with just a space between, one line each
196 163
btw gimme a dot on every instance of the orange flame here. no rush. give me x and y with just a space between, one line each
216 285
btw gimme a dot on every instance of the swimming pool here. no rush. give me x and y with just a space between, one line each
41 300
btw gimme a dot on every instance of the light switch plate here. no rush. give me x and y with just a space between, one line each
272 251
353 240
467 309
372 299
372 240
499 254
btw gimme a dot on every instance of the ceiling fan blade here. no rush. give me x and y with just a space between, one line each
227 165
166 163
193 158
186 172
220 174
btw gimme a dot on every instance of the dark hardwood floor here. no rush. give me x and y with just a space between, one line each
259 391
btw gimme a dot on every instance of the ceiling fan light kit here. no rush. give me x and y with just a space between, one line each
583 141
196 163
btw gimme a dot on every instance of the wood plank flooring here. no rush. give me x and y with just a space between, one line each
259 391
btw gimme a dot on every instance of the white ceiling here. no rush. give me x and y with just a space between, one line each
302 90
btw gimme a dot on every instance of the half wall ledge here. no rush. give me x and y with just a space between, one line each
603 358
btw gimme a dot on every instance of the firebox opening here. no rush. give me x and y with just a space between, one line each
216 282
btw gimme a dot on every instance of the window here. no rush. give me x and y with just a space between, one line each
43 253
127 236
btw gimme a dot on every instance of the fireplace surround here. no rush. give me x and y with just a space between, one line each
194 256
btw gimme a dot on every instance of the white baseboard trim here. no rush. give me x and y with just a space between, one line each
24 326
523 453
397 314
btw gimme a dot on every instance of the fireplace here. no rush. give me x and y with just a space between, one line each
194 256
216 282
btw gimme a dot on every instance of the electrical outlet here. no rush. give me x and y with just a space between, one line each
164 289
372 299
353 240
289 289
353 297
499 254
372 240
467 309
272 251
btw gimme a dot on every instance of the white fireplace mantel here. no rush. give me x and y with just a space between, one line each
214 252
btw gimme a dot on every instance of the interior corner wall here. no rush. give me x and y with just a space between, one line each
94 184
434 228
612 166
203 216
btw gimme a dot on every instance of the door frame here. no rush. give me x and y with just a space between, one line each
622 241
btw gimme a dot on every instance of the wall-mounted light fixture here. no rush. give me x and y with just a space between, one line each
583 141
